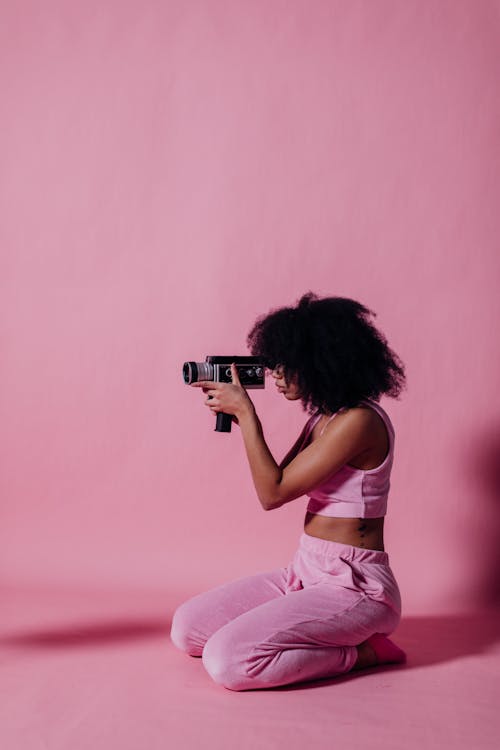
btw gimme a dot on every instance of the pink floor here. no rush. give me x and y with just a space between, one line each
90 670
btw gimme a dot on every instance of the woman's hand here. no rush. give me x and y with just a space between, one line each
230 398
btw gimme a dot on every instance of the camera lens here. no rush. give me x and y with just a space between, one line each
190 372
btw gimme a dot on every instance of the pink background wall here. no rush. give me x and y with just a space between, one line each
171 170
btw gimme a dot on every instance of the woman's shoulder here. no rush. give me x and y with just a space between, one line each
372 418
365 409
362 417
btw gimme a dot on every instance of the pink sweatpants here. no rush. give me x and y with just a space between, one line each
295 623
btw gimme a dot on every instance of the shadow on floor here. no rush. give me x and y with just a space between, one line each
427 640
430 640
88 634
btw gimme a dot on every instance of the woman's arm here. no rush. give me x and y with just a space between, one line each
347 436
295 448
266 473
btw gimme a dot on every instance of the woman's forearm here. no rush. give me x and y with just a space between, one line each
266 473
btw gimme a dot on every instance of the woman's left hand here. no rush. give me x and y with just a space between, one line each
230 398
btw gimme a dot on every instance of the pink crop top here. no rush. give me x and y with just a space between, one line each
351 492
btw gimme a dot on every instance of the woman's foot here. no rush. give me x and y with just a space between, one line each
378 649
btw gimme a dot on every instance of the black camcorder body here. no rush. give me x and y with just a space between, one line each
251 373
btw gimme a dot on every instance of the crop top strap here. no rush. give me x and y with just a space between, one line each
317 417
309 428
327 422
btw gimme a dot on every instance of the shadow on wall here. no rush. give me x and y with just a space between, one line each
441 638
482 461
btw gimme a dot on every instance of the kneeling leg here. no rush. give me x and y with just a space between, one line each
305 635
199 617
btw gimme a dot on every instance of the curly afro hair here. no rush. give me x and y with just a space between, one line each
333 351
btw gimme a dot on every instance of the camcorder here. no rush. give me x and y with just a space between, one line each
251 373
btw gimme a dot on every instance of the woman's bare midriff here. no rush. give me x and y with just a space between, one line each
367 533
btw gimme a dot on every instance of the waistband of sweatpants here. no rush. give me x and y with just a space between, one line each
327 548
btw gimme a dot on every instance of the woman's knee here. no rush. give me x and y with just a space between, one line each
183 632
224 665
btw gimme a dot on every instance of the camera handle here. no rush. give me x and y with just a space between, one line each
223 421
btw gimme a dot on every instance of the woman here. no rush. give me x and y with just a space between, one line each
332 607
